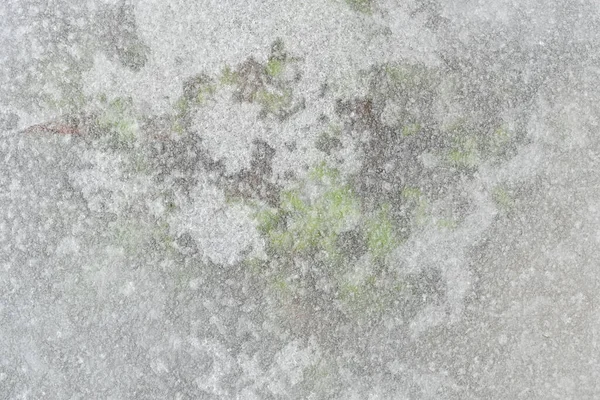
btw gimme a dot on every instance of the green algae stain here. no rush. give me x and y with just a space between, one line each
417 203
447 223
229 77
503 198
411 193
464 153
274 67
268 220
411 129
119 119
307 224
273 102
381 239
198 89
363 6
310 224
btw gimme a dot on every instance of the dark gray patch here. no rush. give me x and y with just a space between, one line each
352 243
328 143
255 182
251 80
118 35
262 158
291 146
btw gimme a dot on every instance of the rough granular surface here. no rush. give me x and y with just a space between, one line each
325 199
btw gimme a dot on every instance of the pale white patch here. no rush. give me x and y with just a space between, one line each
228 130
223 231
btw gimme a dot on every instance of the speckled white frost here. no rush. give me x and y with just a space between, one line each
222 231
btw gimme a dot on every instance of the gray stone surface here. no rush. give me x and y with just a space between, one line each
353 199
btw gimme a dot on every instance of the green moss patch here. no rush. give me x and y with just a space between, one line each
381 238
363 6
504 198
274 67
307 225
120 121
228 76
273 101
322 222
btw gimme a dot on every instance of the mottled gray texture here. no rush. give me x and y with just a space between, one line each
176 234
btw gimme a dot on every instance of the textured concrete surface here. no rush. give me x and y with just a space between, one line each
353 199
